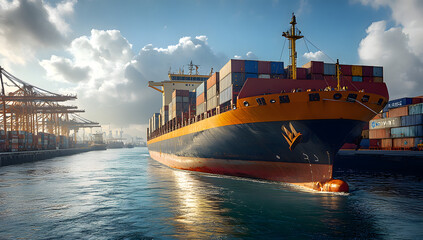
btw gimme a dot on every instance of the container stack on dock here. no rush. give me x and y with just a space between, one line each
26 141
399 126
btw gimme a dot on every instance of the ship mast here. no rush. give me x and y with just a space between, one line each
338 74
293 35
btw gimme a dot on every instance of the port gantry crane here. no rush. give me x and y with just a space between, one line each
25 107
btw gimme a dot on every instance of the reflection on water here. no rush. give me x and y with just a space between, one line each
197 214
124 194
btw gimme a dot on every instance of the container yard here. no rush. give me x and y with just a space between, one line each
35 121
398 127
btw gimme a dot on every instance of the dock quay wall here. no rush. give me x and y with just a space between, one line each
11 158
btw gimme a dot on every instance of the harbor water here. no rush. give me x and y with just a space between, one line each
124 194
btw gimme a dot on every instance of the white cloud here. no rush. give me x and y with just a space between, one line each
63 69
398 49
115 87
248 56
30 25
314 56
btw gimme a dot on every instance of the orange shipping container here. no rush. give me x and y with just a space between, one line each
398 112
404 142
380 133
357 70
212 80
387 143
200 99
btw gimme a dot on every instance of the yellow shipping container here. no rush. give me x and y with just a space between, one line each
357 70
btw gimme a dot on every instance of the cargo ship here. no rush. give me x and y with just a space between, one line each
257 119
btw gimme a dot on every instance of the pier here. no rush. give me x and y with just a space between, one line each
12 158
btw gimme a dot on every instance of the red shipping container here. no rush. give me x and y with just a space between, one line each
301 73
263 67
349 146
375 143
315 67
380 133
346 70
200 99
387 143
398 112
417 100
315 76
367 71
212 80
367 79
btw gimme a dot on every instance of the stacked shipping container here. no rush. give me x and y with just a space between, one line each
320 70
212 91
400 126
201 94
26 141
234 74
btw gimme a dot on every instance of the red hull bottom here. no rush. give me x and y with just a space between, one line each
314 176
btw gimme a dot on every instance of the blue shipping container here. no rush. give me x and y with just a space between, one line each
250 75
329 69
412 120
412 131
377 71
277 68
415 109
200 89
238 79
251 66
357 78
399 103
365 143
192 97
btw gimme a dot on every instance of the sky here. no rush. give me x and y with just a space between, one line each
106 51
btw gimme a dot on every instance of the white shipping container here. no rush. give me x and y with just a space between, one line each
385 123
200 89
225 82
264 76
211 103
226 95
211 92
201 108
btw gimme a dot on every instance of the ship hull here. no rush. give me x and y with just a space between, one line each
260 150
